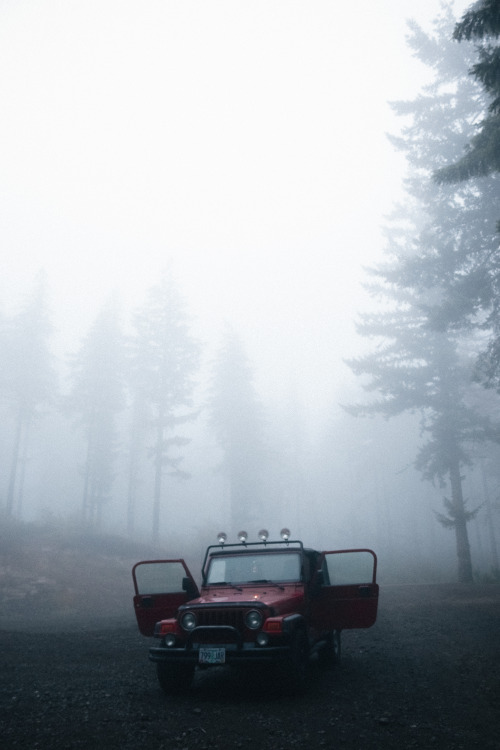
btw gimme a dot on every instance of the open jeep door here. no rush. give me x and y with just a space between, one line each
161 586
346 591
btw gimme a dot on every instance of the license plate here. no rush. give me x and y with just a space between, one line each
212 656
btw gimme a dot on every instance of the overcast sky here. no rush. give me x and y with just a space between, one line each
243 140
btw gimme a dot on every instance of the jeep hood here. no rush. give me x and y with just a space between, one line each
281 598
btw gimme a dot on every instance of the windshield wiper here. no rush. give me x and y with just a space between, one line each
225 583
265 580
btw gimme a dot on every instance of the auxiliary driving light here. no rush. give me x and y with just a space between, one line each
242 536
221 537
285 534
262 639
263 535
170 640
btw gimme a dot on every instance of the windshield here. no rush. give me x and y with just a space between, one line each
277 567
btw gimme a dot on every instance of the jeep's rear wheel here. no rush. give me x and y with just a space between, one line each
174 678
329 655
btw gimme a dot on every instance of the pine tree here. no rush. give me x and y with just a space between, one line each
138 434
97 397
28 381
457 222
420 364
473 289
238 424
418 370
481 23
164 360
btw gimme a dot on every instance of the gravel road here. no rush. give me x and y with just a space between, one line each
427 675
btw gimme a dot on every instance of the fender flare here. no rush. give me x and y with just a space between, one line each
293 623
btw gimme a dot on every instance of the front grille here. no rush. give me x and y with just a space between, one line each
231 616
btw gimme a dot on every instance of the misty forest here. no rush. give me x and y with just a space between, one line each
147 431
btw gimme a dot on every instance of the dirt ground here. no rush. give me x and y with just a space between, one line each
427 675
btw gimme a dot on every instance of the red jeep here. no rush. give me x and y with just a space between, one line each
259 602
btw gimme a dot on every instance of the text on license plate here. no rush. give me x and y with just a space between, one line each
212 656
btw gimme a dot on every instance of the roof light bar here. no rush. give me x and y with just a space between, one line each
263 536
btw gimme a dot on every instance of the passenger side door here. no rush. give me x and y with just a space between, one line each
344 590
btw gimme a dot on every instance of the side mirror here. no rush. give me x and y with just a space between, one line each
189 586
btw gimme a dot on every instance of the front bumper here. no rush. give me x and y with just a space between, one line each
249 652
236 649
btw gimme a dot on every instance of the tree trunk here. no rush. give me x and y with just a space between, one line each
489 518
15 462
158 478
131 494
460 524
133 474
86 482
22 472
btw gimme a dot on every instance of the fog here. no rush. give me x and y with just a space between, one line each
246 141
243 145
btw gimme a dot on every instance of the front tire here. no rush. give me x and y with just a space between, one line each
296 666
330 654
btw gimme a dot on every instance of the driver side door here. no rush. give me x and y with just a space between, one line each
160 589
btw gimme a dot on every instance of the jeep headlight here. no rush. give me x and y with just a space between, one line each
188 621
253 619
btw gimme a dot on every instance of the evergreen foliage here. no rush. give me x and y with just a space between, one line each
473 290
432 285
481 23
164 360
238 424
28 380
96 397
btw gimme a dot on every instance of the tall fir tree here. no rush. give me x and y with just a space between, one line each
164 361
473 291
28 379
137 442
481 23
417 370
419 364
97 397
238 423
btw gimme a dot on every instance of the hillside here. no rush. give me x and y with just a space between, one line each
52 577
